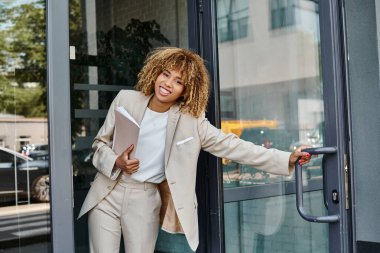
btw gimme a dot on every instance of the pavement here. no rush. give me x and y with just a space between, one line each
24 225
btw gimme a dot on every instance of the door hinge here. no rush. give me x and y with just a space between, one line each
346 178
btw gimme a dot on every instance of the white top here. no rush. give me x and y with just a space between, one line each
150 149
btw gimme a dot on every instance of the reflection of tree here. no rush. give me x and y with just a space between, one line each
22 46
121 52
22 101
120 56
2 39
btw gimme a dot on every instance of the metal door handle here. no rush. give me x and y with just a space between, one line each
299 191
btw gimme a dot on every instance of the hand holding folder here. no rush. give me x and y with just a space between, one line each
126 132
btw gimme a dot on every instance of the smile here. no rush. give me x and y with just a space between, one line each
164 91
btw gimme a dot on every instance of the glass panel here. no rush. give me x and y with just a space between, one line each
271 89
271 95
273 225
24 158
109 41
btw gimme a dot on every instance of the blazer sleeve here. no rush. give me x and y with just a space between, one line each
104 157
230 146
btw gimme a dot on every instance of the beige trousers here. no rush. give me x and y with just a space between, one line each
132 209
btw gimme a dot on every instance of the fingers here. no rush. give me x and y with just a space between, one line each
128 150
132 162
132 166
305 158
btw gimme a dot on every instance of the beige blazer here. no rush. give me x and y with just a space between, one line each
185 137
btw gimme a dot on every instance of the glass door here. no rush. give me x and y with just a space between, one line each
109 41
278 89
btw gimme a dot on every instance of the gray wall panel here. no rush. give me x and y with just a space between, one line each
365 112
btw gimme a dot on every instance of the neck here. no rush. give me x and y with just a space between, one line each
158 106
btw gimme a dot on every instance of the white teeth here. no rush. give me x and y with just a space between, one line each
164 91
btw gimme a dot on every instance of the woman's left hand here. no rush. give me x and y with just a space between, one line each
298 153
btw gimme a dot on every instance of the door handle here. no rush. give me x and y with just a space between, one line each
299 190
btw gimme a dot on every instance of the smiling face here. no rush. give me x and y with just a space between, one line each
168 88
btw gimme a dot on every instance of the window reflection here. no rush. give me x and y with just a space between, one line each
24 158
233 19
282 13
271 91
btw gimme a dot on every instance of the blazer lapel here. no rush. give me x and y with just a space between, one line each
173 117
140 108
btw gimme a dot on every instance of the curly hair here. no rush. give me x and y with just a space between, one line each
194 76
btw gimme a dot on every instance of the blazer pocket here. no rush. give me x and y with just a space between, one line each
180 143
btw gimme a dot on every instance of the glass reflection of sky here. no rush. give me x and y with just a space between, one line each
10 3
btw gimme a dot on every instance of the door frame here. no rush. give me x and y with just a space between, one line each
333 56
59 127
334 71
209 186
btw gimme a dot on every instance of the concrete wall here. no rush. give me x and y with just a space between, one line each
12 128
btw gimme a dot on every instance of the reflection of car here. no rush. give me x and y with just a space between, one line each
20 177
34 149
266 137
40 187
270 138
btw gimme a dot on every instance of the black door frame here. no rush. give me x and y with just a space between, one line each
334 62
209 188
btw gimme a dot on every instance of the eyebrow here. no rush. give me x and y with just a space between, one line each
178 77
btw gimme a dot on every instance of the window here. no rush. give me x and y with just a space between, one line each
282 13
232 19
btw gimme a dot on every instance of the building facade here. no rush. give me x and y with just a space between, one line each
283 73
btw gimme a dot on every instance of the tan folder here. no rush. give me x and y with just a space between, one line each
126 132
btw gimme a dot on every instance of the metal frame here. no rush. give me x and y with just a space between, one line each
62 227
208 50
335 117
203 40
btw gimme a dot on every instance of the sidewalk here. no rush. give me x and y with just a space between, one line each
23 209
24 225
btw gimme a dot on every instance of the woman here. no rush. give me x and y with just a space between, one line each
129 196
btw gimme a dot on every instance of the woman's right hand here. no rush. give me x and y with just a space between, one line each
123 162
